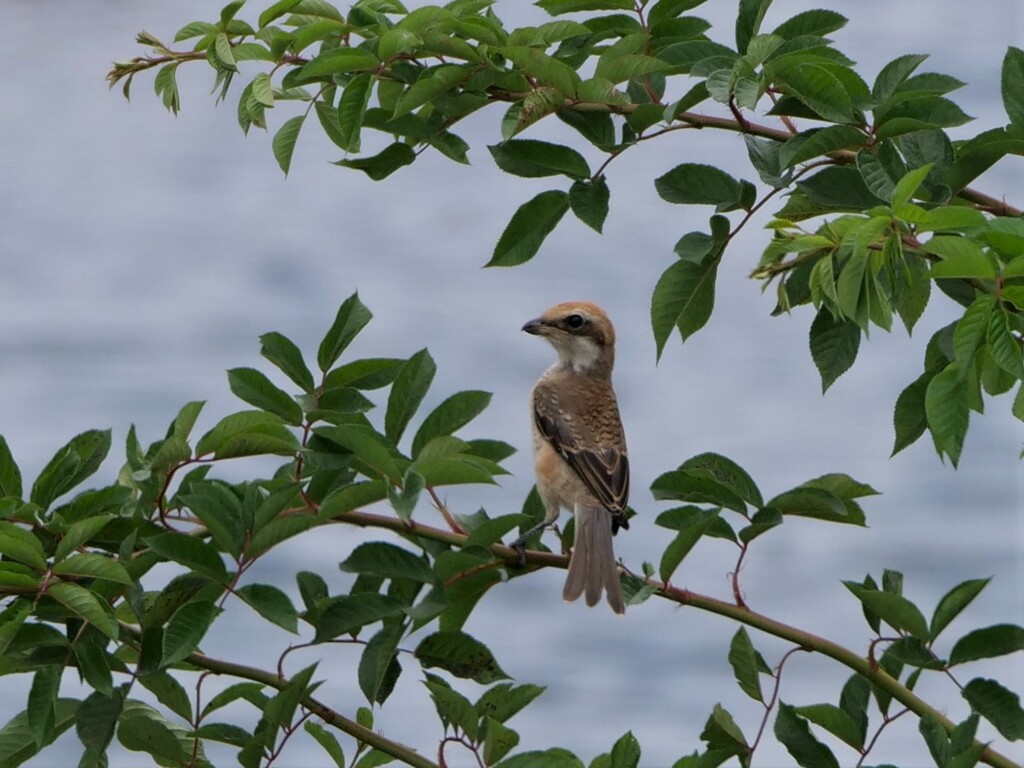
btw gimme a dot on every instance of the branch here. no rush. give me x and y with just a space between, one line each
401 752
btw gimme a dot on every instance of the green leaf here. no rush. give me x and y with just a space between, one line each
834 720
453 708
378 666
543 68
10 475
282 352
337 60
530 225
498 741
820 90
818 503
327 740
347 614
530 158
501 702
970 331
450 416
915 114
461 655
895 610
1012 84
748 21
17 743
683 298
695 486
86 604
728 473
284 140
352 317
255 388
908 185
190 552
407 392
384 163
168 692
352 109
819 141
997 705
947 410
220 511
834 346
95 721
997 640
814 22
72 464
93 566
150 733
186 629
699 184
721 732
276 10
909 416
685 540
953 602
626 752
16 543
744 661
795 735
387 561
840 188
270 603
555 757
369 448
42 703
431 85
589 201
893 75
1003 345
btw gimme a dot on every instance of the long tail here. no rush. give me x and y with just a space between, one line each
592 567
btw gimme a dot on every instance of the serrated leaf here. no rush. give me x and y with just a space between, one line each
431 85
337 60
186 629
284 140
1004 347
384 163
698 487
93 566
87 605
17 743
190 552
819 141
532 222
987 643
997 705
530 158
461 655
953 602
686 538
834 345
795 735
351 110
255 388
589 201
378 666
387 561
450 416
947 411
407 392
893 75
1012 84
351 318
744 661
834 720
282 352
270 603
820 90
347 614
728 473
16 543
10 475
699 184
683 298
895 610
79 458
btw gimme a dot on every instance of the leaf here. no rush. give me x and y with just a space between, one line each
351 318
909 417
699 184
327 740
284 140
73 463
190 552
532 222
42 703
16 543
589 201
270 603
431 85
813 22
530 158
1012 84
168 692
696 487
947 411
683 298
748 21
87 605
685 540
997 705
626 751
728 473
255 388
986 643
407 392
834 720
17 743
93 566
819 141
1003 345
370 448
970 330
347 614
186 629
834 346
839 187
819 89
276 10
461 655
953 602
501 702
384 163
498 741
915 114
153 735
795 735
450 416
744 661
337 60
543 68
378 666
10 475
895 610
387 561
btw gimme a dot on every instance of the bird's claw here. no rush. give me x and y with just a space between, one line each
519 546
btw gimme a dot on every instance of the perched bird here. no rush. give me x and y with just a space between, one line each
579 447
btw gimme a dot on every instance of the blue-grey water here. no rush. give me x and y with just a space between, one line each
141 255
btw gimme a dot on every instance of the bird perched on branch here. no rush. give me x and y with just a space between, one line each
579 446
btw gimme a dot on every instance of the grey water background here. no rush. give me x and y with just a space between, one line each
142 255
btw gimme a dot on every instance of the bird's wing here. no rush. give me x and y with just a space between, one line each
604 469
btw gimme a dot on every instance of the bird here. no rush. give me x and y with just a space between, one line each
579 446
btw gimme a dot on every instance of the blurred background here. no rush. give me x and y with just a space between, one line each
141 255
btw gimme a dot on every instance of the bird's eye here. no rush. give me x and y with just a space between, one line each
574 322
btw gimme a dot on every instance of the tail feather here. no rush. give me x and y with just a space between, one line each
592 567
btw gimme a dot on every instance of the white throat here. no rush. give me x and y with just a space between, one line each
579 353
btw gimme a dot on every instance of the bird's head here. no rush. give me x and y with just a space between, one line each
581 333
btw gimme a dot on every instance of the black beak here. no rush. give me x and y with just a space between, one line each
535 327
